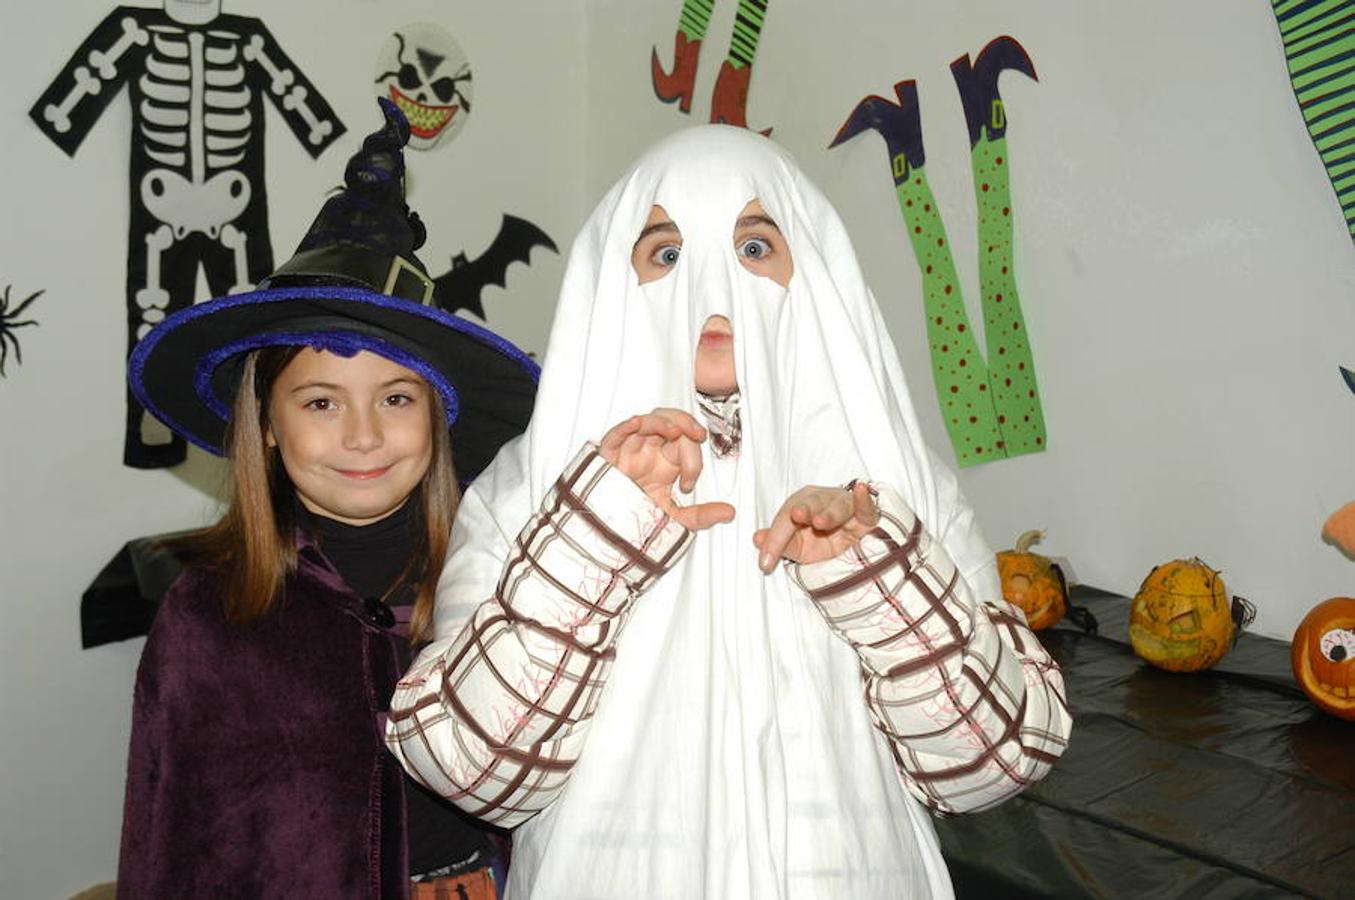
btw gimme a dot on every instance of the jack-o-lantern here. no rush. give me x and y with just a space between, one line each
1032 582
1323 654
1181 619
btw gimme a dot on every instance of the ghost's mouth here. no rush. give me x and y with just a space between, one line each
425 120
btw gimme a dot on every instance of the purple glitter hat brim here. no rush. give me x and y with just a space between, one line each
340 343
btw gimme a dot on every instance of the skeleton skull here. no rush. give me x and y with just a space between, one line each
193 12
426 73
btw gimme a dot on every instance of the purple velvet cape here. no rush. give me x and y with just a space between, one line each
257 767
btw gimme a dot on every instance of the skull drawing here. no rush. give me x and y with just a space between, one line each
426 73
193 12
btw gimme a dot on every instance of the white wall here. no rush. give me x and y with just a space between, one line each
66 502
1186 278
1185 272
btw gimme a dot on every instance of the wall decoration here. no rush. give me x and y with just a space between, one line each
1319 52
459 288
425 72
196 80
991 405
9 323
729 102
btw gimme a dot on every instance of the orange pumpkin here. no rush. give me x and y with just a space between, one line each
1181 619
1032 582
1323 655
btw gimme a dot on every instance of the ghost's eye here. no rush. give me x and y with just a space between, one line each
667 255
1338 645
754 248
409 77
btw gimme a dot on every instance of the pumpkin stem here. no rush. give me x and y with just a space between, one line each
1028 539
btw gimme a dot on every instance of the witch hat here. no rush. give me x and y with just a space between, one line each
354 284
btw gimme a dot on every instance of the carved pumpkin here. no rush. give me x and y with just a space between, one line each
1181 619
1323 654
1032 582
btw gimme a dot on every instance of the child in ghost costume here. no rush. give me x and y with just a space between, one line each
704 668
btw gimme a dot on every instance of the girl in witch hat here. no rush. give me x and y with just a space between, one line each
256 766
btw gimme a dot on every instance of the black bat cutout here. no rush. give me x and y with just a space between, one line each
460 287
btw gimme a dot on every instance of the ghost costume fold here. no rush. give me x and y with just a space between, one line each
659 717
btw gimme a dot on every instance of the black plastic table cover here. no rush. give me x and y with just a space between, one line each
1227 783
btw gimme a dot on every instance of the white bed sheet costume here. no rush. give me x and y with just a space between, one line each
657 716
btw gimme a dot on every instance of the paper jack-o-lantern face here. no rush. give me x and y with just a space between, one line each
1181 619
1323 654
424 71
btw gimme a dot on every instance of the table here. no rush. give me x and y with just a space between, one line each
1219 784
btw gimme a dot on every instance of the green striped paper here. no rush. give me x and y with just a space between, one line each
1319 50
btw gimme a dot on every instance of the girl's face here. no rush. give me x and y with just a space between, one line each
355 433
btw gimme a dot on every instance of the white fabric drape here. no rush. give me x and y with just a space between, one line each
731 754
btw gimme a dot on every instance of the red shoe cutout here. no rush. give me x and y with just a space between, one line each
730 99
678 84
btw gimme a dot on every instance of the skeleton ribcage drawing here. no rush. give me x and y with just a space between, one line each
196 122
199 197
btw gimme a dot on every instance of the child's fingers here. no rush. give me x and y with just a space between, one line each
661 425
684 420
778 537
611 442
700 516
689 464
864 509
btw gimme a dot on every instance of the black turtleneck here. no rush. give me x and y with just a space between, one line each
370 558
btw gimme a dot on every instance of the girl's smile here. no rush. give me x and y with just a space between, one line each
364 475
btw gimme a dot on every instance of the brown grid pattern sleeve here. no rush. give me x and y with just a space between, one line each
972 706
495 720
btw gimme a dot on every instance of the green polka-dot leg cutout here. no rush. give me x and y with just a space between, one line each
958 368
1011 365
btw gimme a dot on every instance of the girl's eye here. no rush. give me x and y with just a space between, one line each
399 400
320 404
667 255
754 248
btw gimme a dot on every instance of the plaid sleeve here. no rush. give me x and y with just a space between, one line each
495 719
972 706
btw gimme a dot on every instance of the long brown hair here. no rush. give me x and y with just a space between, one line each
253 545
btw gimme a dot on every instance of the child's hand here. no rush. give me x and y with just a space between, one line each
657 450
1340 528
816 523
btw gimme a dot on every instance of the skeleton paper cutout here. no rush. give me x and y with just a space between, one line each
425 72
460 287
196 81
729 102
991 406
10 321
